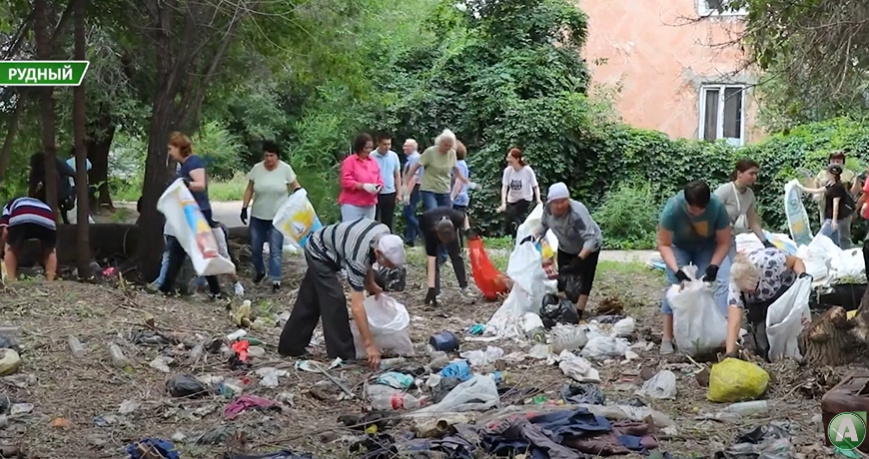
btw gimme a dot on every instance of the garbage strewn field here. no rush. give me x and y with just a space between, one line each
178 379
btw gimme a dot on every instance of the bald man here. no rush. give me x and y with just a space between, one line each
411 196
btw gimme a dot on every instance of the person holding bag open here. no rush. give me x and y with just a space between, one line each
741 203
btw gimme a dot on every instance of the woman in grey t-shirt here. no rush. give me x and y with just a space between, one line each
741 204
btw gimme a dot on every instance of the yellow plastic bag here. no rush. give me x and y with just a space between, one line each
734 380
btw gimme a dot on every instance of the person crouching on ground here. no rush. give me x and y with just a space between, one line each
24 219
757 280
353 246
694 230
440 227
579 242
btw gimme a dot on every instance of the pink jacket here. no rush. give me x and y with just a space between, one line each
355 170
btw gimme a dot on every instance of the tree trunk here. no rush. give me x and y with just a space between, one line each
49 143
79 122
11 131
98 144
833 339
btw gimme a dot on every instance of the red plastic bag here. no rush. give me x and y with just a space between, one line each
489 280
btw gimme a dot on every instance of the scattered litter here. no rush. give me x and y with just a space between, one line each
76 347
557 310
21 408
128 406
445 341
248 402
624 327
480 357
152 448
10 362
60 423
583 393
270 376
118 359
161 363
577 368
396 380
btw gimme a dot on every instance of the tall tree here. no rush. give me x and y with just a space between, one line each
46 103
79 126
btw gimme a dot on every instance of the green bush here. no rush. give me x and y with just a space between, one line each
628 216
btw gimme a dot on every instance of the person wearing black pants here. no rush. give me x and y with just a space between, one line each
518 188
579 244
390 173
440 228
385 210
515 216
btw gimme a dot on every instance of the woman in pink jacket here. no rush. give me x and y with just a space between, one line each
360 181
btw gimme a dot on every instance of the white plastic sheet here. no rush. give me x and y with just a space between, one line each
193 231
786 318
698 325
388 321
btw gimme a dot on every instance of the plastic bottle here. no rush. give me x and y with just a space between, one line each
197 351
118 358
538 335
567 338
386 364
399 401
76 347
748 408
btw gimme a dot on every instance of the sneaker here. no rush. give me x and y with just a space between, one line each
215 296
276 287
667 347
153 287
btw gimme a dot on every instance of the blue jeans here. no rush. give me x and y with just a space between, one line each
260 232
349 212
164 264
701 258
835 236
411 223
431 200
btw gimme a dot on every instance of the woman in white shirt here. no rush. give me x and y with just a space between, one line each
518 188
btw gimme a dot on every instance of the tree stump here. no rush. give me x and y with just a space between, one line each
833 339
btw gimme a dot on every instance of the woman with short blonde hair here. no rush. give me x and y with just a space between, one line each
757 280
440 165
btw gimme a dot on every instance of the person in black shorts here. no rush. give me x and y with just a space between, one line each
440 228
24 219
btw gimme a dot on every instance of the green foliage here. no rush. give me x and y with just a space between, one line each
219 148
629 213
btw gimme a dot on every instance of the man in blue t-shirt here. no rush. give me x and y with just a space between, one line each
694 230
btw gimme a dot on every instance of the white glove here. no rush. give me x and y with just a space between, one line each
473 185
371 188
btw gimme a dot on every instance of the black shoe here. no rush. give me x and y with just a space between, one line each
215 296
259 278
276 287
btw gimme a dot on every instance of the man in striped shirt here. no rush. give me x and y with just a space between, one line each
24 219
353 246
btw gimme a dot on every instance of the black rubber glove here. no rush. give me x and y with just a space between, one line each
681 276
768 244
711 273
186 181
431 298
243 215
527 239
806 275
297 189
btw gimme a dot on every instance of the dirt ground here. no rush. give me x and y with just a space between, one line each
76 401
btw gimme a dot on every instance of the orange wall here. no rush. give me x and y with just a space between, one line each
658 52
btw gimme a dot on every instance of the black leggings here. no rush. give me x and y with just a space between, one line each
570 265
177 257
516 213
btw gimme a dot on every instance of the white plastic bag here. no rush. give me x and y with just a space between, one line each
296 219
786 318
388 321
530 284
192 230
698 325
577 367
624 327
479 393
798 219
661 386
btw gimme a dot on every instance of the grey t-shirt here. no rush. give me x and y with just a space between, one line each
574 230
736 204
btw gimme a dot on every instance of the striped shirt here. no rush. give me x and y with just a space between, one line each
24 211
348 245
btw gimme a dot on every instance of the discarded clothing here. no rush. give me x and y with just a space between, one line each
148 446
246 402
626 437
583 393
283 454
511 436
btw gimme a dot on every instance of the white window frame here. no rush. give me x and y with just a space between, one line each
704 10
719 127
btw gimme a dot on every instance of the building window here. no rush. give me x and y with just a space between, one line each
718 8
722 113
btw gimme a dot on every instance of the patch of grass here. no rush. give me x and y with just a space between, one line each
218 190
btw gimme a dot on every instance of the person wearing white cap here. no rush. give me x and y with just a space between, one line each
353 246
579 243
